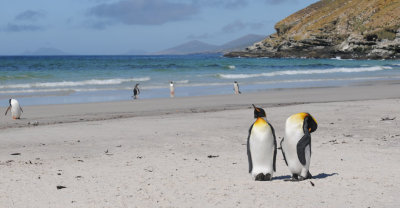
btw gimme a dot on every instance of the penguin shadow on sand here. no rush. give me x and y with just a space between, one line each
319 176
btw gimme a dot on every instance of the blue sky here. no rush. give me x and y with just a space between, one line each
117 26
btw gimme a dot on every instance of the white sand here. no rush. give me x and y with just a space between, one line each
158 155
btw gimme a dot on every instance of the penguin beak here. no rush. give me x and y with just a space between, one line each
255 108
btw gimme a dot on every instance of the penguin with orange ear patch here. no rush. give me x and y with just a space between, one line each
296 146
261 147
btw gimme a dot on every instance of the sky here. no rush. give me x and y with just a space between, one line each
109 27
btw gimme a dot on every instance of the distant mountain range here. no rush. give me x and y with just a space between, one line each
191 47
45 52
196 47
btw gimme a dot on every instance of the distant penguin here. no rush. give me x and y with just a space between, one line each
261 147
296 145
136 91
15 108
172 89
236 88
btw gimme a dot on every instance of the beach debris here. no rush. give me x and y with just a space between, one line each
139 157
347 135
106 151
33 123
61 187
80 160
387 118
78 141
119 146
212 156
312 184
9 161
149 169
17 153
78 177
58 173
334 141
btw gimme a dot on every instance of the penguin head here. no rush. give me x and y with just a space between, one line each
9 101
259 112
310 124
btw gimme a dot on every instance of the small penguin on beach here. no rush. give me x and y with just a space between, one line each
236 88
136 91
296 145
172 89
261 147
15 108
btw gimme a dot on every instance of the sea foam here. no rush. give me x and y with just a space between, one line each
299 72
75 83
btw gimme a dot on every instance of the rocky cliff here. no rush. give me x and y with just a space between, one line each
357 29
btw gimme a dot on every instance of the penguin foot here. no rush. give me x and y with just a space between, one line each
301 178
294 178
262 177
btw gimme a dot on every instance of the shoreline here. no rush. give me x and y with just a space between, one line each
82 112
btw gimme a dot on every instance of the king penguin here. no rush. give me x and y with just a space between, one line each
15 108
261 147
296 145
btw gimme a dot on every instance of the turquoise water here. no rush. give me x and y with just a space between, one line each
76 79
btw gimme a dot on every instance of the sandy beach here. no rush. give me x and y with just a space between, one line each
191 151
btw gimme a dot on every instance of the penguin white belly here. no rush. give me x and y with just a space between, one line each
15 109
262 150
236 87
290 148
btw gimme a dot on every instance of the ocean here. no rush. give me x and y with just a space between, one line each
38 80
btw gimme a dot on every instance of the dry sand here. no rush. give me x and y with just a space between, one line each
156 153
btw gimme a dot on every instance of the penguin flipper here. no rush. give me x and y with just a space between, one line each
301 148
248 150
9 107
283 152
273 133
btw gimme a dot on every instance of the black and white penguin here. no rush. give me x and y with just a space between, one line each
236 88
261 147
296 145
171 89
136 91
15 108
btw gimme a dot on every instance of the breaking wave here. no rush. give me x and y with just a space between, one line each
299 72
75 83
